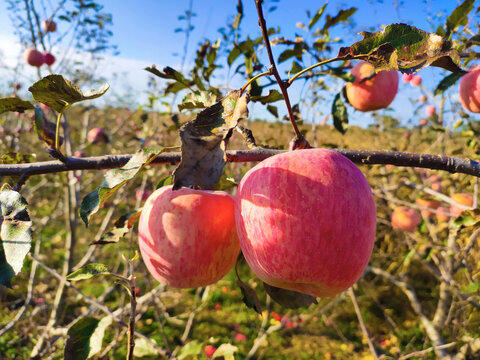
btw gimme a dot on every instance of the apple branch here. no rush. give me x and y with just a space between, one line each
363 157
300 140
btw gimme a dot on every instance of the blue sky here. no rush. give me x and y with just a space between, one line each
144 30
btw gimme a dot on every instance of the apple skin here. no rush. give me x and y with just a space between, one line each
442 214
187 237
97 136
462 199
49 26
49 58
416 80
306 221
373 94
428 203
469 90
405 218
430 110
34 57
406 78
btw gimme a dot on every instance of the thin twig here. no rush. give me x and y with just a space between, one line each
100 307
362 323
273 69
426 351
133 307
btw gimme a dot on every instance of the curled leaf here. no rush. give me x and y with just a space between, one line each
204 140
59 93
14 104
15 234
405 48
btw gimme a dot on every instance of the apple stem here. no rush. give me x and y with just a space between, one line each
273 70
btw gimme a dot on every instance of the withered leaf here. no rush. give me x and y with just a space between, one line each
204 140
45 128
288 298
405 48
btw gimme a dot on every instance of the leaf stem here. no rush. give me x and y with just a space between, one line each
300 73
266 73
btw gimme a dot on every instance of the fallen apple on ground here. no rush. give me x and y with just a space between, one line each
306 221
405 218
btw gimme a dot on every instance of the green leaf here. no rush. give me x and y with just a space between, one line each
14 104
15 234
192 348
273 110
471 288
198 100
287 54
316 17
121 228
468 218
167 180
58 93
79 338
403 47
342 16
17 158
225 183
88 271
296 67
204 140
288 298
44 128
459 16
114 180
339 114
250 297
239 16
144 348
225 350
96 339
169 73
273 96
233 55
446 82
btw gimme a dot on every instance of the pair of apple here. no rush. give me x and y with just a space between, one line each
36 58
305 221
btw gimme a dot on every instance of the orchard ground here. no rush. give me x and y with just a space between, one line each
327 330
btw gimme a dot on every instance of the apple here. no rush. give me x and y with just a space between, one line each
49 26
430 110
423 122
142 194
442 214
469 90
187 237
462 199
49 58
429 203
375 93
34 57
423 98
97 136
405 218
209 350
406 78
306 221
416 80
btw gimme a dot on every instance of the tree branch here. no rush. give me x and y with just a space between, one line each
365 157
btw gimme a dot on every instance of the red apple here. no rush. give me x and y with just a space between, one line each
306 221
469 90
97 136
430 110
49 58
375 93
462 199
49 26
428 203
187 237
416 80
423 122
142 194
406 78
405 218
209 350
442 214
34 57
